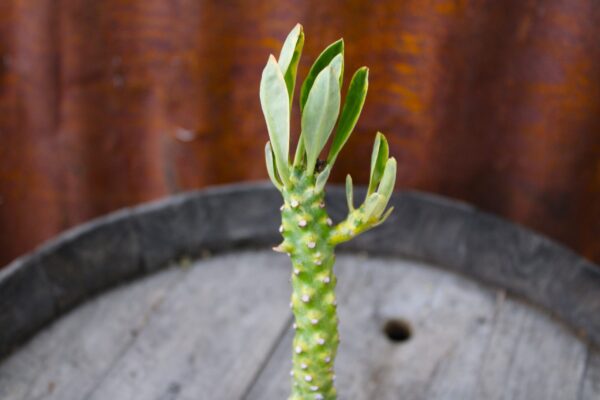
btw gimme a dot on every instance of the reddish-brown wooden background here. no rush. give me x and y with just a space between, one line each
105 104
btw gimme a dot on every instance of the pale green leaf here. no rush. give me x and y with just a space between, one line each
388 180
300 152
271 169
320 63
355 99
290 56
374 206
319 115
275 105
337 64
349 193
379 207
379 158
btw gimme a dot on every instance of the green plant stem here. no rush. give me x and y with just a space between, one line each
316 339
355 223
308 232
310 239
306 229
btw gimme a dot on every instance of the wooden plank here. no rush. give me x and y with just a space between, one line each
368 363
27 302
445 313
525 355
469 341
41 286
543 360
221 330
210 336
362 316
67 359
590 383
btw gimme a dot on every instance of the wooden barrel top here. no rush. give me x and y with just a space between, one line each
441 302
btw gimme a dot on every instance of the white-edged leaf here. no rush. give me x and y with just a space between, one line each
375 152
379 158
337 64
355 99
323 60
379 207
289 47
374 206
290 56
349 193
388 180
319 115
320 63
275 105
271 168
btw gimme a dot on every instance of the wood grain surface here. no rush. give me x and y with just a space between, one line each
82 262
493 310
105 104
221 329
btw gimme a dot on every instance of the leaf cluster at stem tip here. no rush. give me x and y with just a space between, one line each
320 104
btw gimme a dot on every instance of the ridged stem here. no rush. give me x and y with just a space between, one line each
316 338
306 229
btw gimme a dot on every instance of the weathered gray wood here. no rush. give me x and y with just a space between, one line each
590 384
469 341
67 359
461 238
546 360
210 336
83 262
26 302
97 255
123 245
178 333
221 329
525 355
217 219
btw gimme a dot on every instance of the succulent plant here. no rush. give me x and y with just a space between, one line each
309 234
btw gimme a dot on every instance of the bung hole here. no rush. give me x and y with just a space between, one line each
397 330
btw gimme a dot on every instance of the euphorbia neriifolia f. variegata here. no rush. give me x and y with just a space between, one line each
309 235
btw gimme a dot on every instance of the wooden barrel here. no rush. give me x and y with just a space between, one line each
441 302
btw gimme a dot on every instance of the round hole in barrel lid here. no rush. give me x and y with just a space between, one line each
397 330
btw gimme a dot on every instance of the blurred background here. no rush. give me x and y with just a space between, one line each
106 104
